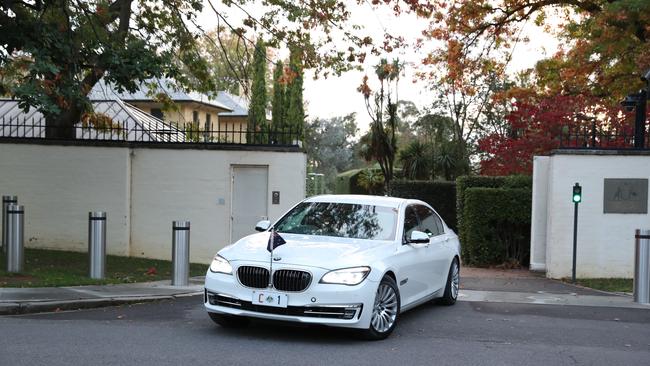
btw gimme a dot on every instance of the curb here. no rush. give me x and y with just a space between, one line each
33 307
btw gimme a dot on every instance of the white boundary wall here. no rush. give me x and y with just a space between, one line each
605 241
538 217
142 190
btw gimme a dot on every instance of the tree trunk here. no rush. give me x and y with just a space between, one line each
62 126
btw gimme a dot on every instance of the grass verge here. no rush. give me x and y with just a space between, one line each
606 284
50 268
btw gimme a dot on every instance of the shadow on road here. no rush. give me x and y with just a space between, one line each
317 334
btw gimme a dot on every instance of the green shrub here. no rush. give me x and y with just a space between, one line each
466 230
518 181
496 225
344 181
440 195
348 182
370 181
474 181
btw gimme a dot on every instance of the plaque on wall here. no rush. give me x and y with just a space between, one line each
626 196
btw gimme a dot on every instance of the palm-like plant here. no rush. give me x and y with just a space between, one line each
371 180
416 160
447 159
382 142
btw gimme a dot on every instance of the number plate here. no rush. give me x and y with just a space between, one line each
270 298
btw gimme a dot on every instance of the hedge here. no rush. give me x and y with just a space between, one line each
440 195
499 222
465 182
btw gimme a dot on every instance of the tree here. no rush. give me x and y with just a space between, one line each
407 113
230 58
416 160
604 43
434 128
434 154
295 108
538 124
447 158
257 108
52 52
371 180
329 144
382 144
279 97
63 48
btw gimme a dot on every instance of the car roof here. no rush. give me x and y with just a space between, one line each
360 199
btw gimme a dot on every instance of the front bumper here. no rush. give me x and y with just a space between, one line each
326 304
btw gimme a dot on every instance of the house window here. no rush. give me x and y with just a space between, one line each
195 116
158 113
208 122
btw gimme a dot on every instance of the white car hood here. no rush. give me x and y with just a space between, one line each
307 250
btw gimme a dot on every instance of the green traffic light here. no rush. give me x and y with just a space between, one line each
577 193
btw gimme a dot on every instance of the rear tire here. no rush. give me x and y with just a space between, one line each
453 284
385 312
229 321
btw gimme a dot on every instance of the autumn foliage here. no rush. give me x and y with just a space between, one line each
538 125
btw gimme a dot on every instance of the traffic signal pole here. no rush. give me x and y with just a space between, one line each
577 198
575 240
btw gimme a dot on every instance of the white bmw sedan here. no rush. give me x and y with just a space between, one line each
337 260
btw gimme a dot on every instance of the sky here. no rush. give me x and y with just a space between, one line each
337 95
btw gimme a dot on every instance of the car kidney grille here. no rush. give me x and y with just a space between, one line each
256 277
291 280
283 279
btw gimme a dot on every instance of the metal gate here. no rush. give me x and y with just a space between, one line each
249 199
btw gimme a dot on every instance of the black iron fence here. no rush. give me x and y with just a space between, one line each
600 138
150 131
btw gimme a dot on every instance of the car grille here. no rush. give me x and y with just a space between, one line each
291 280
345 312
283 279
255 277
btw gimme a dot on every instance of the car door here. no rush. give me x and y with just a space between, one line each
438 254
413 261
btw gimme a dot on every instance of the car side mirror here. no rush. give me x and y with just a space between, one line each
418 237
263 225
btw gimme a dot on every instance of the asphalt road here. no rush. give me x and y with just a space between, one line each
469 333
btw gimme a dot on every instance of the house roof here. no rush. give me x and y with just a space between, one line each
105 91
238 104
138 125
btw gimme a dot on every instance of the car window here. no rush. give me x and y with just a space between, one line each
410 222
429 222
441 227
345 220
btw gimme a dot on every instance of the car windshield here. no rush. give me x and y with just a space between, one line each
346 220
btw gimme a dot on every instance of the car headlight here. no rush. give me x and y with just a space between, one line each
220 265
346 276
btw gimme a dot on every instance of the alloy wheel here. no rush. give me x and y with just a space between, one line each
455 280
385 310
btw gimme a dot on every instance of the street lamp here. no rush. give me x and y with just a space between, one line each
639 101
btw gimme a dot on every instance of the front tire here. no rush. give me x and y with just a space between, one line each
385 311
453 284
229 321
